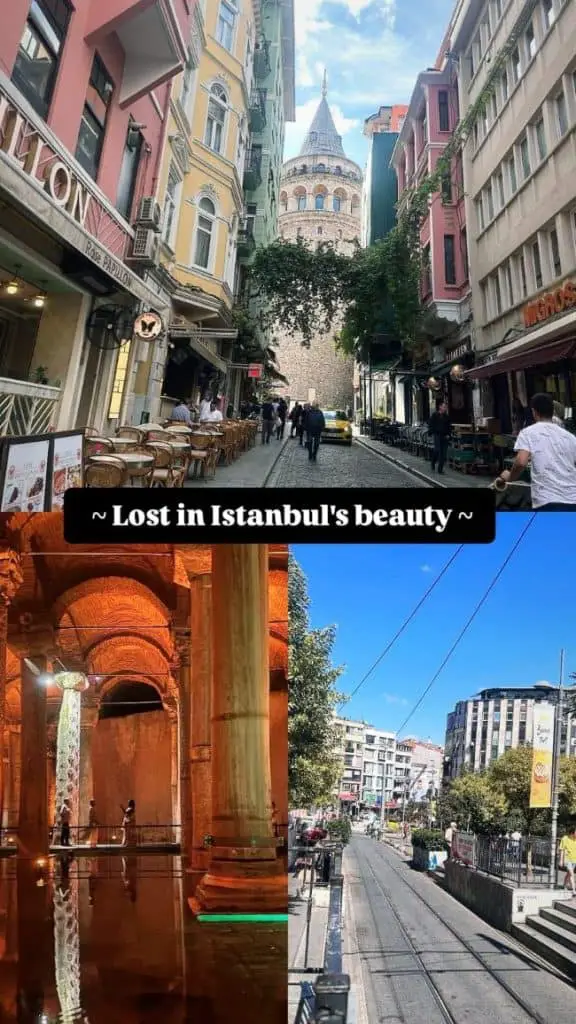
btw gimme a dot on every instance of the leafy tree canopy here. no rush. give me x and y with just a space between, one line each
313 769
473 804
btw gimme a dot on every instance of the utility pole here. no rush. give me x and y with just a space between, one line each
558 720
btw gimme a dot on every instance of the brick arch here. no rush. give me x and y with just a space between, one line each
111 607
320 190
299 191
341 193
128 657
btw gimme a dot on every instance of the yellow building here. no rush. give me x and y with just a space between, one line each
201 193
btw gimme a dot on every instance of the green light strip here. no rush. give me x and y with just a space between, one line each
242 917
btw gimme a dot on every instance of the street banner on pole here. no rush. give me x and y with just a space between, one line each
542 758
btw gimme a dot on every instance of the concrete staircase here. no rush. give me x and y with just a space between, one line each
552 935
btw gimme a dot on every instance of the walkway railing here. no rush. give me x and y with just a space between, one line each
82 836
522 862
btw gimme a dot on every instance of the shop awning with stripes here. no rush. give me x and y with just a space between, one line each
553 353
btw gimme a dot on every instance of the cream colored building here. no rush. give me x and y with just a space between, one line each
320 201
520 182
214 105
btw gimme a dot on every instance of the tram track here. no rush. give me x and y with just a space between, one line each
445 1013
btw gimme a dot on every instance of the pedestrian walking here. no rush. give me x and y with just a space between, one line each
281 422
449 836
302 423
65 817
440 427
315 424
268 418
550 450
91 834
129 824
568 859
295 417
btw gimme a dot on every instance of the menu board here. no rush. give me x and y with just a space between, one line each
66 466
25 477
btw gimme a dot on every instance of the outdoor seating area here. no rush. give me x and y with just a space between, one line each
470 450
164 455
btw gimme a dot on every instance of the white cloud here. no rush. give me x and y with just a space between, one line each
392 698
425 568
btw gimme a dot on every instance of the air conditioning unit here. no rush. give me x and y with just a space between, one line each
144 247
149 214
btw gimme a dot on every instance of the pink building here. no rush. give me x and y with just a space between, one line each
84 99
427 129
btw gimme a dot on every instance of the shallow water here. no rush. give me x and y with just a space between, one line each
111 940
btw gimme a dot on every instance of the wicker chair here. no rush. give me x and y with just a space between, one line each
141 473
135 433
163 472
109 473
203 456
180 464
98 446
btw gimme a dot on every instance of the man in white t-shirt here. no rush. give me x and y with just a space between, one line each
215 416
551 452
205 405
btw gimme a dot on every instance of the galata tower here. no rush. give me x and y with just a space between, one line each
320 201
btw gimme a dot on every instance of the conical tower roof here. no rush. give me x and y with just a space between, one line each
322 138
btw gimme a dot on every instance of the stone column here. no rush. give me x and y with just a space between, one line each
200 721
10 580
244 874
33 817
183 647
88 722
171 709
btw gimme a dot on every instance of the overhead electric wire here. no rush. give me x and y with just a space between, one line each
470 620
404 625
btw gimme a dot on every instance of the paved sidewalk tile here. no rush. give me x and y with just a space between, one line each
298 909
251 469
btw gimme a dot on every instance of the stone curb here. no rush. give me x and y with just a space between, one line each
402 465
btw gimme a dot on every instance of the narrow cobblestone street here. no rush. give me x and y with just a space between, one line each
338 466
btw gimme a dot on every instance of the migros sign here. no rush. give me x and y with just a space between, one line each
548 305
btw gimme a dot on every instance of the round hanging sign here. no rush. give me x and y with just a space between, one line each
148 326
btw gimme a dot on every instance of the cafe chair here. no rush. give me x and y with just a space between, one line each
135 433
163 471
98 446
109 473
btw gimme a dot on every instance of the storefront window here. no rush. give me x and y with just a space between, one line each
93 123
38 56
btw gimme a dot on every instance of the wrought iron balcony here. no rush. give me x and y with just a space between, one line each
262 59
27 408
253 170
258 110
246 242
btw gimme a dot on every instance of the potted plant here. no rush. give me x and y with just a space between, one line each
429 850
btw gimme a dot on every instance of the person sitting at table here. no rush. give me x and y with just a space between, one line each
215 416
181 412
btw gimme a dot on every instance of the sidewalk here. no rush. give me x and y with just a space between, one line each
251 469
421 467
297 940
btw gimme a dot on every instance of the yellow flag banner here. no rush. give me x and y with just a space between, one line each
543 752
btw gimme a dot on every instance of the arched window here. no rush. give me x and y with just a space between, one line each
320 167
217 104
300 199
337 170
336 204
319 201
204 233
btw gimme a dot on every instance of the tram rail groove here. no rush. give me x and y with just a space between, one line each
531 1014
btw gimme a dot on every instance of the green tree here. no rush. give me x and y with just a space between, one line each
313 769
472 803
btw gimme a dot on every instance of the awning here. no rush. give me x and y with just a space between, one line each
524 360
384 365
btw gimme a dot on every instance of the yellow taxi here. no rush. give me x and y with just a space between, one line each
337 427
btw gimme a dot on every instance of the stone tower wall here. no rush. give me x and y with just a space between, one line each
319 372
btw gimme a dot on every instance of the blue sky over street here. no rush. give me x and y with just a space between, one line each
372 51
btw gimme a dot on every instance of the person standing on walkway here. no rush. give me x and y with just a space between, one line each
439 427
129 824
91 836
449 836
551 451
302 423
65 816
568 859
205 406
294 417
282 413
315 424
267 422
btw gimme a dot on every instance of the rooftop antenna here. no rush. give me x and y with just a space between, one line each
324 85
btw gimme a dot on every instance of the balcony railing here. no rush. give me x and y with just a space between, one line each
262 59
26 408
246 242
258 110
253 170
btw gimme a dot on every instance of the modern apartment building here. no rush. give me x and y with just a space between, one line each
380 190
445 289
520 197
376 766
84 94
481 729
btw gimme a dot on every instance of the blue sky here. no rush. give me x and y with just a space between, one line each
372 50
367 591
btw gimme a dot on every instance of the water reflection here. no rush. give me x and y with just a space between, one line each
110 940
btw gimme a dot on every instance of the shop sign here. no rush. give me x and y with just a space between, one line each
348 796
38 158
255 370
148 326
458 352
25 477
548 305
464 848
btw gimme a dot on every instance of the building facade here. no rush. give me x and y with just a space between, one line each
84 94
426 770
483 728
445 289
376 767
320 201
380 191
521 198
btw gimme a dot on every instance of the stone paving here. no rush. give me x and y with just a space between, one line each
339 466
297 940
251 469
